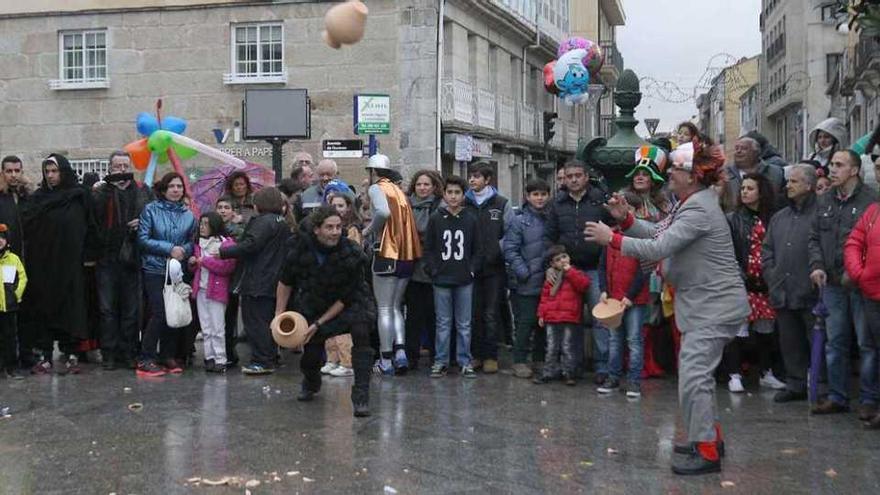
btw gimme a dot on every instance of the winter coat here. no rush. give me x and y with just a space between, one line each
422 210
453 252
622 276
524 247
319 276
59 236
769 155
861 253
832 224
114 208
164 225
783 254
11 216
219 273
260 252
567 305
14 281
776 176
741 223
493 216
565 226
836 128
698 262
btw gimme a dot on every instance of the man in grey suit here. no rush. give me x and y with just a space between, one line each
696 250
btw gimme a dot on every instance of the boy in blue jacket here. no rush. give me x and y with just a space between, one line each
524 252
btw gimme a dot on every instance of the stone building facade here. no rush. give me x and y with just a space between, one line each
801 48
74 75
723 102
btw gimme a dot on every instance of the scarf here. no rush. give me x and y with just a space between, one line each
210 245
758 301
484 195
554 277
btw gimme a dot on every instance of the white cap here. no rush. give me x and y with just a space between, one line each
379 161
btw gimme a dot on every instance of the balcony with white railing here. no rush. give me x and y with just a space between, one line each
558 141
506 110
485 109
457 102
554 24
527 126
571 136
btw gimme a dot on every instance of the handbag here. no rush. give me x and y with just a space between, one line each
383 265
178 312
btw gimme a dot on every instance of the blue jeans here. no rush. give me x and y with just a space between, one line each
600 333
449 303
846 308
632 328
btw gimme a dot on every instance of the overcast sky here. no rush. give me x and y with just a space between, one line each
674 40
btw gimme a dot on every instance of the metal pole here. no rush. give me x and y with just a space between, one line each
373 145
277 157
438 143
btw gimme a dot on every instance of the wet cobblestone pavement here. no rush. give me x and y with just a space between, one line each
495 434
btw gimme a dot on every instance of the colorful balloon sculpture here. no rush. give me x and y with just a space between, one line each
579 60
164 141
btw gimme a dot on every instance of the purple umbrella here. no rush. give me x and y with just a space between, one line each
817 346
212 184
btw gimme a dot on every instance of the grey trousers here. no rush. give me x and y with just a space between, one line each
701 351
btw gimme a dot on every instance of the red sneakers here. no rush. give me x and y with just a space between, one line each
149 369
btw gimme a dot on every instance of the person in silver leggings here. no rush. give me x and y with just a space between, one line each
395 253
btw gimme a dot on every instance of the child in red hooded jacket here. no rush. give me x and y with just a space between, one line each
560 313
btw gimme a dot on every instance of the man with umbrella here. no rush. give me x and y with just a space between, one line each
792 294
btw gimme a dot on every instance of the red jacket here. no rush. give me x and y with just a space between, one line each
861 253
568 303
622 276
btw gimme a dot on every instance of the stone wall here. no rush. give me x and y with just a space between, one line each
181 56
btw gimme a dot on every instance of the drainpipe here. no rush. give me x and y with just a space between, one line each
525 65
525 50
439 137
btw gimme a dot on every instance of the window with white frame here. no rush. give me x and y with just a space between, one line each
97 165
257 54
82 60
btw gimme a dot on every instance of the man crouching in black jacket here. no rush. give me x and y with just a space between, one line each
324 273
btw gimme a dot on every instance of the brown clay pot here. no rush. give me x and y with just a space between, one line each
610 313
345 23
290 330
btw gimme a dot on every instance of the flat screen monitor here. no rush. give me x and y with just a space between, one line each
277 113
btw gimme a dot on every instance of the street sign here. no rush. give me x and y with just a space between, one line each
652 124
372 114
343 148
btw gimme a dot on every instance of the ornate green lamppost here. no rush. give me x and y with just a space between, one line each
615 157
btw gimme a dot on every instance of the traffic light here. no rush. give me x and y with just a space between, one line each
549 122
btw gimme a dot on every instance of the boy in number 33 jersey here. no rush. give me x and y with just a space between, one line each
452 256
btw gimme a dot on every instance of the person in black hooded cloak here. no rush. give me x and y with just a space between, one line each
59 232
